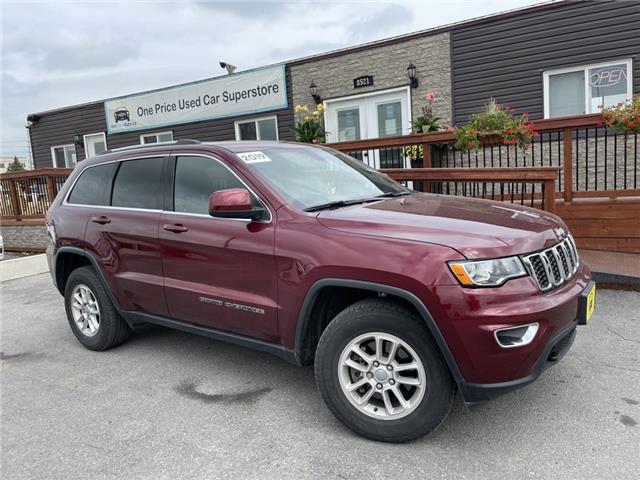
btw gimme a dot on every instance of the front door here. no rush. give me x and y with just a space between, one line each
219 273
383 114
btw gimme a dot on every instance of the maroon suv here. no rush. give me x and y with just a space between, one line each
397 297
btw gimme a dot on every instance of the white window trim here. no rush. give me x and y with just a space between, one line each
84 141
255 120
587 90
169 132
53 155
405 89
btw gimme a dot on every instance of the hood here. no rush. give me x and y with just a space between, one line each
476 228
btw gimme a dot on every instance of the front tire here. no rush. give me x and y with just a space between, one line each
91 315
380 372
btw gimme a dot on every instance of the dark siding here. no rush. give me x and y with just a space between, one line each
504 58
59 127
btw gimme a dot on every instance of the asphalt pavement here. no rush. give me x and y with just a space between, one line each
168 405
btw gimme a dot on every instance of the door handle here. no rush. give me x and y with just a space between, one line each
101 220
177 228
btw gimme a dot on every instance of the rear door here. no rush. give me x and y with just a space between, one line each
124 234
219 272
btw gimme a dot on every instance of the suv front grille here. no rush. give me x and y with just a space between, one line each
554 266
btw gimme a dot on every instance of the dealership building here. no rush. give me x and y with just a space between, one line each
550 60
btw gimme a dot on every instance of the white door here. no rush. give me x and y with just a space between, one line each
94 144
376 115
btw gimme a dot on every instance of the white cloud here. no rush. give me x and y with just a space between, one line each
62 53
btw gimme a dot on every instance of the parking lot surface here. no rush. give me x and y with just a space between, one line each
171 405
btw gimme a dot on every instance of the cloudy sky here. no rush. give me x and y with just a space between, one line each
60 53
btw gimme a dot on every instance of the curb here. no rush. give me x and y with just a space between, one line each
616 281
23 267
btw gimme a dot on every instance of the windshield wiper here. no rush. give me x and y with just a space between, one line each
394 194
339 204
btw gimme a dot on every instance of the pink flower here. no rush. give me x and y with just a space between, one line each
430 97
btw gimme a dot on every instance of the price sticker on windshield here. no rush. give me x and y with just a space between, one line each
254 157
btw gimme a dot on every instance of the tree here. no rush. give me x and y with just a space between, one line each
15 166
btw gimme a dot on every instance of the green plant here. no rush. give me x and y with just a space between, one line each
427 122
15 166
495 123
309 125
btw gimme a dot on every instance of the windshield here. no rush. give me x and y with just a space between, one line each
310 177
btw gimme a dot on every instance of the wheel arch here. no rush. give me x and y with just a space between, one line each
68 259
304 354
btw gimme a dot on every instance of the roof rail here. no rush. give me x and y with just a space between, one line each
184 141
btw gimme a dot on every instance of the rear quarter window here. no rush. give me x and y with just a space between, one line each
93 186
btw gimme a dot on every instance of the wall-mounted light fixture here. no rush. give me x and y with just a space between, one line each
411 71
313 90
77 139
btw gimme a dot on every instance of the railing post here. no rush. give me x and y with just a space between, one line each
550 195
568 164
51 189
426 163
17 210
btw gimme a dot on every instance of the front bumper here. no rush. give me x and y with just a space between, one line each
552 353
469 318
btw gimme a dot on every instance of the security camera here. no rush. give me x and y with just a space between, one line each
230 68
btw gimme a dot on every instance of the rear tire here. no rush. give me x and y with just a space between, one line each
91 315
363 389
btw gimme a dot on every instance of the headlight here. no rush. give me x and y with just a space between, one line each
487 273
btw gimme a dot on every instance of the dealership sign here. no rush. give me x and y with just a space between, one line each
237 94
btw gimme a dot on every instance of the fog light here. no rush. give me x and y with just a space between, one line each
516 336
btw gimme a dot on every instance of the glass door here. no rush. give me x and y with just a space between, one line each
376 115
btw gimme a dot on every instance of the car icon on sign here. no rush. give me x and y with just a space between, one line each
121 115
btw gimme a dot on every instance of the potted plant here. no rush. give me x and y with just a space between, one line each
495 125
624 117
309 124
425 123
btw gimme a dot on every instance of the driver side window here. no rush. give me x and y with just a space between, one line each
196 178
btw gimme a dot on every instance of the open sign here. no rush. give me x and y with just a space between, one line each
608 76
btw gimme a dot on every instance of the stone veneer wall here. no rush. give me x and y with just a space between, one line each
24 237
388 66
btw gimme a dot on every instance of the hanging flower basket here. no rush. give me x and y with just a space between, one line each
491 138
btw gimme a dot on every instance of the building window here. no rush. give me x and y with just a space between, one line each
156 137
94 144
64 156
265 128
586 89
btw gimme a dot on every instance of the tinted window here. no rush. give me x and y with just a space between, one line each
138 184
92 188
196 179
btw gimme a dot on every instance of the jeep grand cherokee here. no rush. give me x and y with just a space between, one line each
397 297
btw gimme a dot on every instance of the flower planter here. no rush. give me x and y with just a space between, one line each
490 139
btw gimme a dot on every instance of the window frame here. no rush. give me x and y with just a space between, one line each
119 161
53 154
166 132
587 90
84 141
171 186
255 120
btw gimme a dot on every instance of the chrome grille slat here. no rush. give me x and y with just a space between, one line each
553 266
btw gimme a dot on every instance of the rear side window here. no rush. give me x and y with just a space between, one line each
197 178
138 184
93 186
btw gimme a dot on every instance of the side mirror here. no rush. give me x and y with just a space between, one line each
234 203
